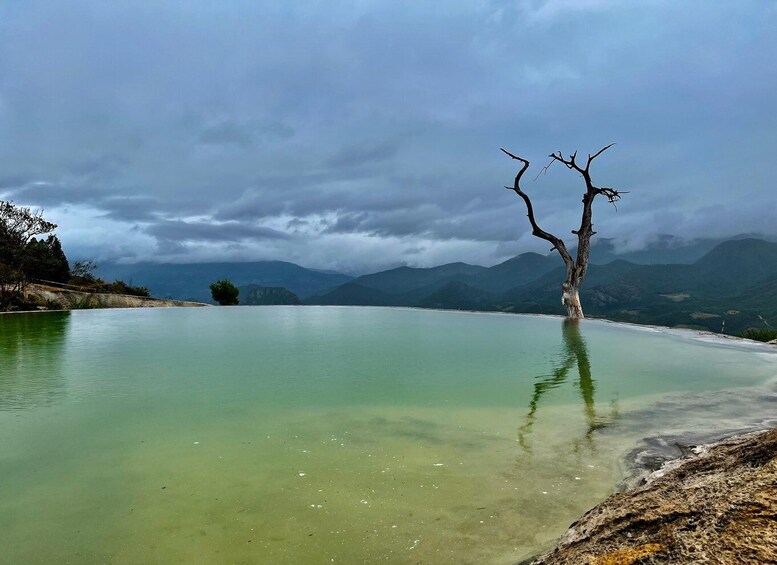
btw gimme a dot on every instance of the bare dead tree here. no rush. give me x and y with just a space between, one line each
576 267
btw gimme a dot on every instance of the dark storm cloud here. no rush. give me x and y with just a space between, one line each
13 182
296 223
130 209
244 135
226 133
430 221
369 132
46 194
102 166
363 153
122 208
176 230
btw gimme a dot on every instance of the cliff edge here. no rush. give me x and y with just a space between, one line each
718 505
63 299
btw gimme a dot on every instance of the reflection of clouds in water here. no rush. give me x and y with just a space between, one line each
31 347
575 352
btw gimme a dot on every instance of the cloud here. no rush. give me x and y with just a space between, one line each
181 231
546 10
225 133
366 134
46 194
130 208
243 135
363 153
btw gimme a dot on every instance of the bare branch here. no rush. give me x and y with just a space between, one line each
577 267
537 231
544 170
521 159
610 194
525 165
568 163
595 155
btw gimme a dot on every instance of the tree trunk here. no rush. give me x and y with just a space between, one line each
576 268
570 298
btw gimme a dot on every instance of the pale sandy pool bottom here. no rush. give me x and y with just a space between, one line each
320 436
396 484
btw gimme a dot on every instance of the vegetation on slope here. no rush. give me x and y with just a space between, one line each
759 334
191 280
256 295
26 257
224 292
730 289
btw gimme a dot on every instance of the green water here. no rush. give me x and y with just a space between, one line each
326 434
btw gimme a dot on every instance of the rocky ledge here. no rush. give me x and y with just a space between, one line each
718 505
62 299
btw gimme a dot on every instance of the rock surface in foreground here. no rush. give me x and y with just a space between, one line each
719 506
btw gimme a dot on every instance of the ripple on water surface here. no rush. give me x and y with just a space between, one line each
309 434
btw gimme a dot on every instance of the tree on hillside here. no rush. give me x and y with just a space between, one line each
83 270
224 292
21 254
576 267
45 260
82 275
19 224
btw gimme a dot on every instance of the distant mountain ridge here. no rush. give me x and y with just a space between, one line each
255 295
664 249
409 286
191 280
732 285
718 291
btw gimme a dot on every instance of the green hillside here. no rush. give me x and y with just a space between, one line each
516 271
456 295
405 279
256 295
354 294
190 281
730 288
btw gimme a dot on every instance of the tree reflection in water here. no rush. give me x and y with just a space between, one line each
575 353
31 350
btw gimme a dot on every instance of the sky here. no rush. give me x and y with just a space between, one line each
359 135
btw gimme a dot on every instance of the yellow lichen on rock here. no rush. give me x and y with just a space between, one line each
627 556
718 505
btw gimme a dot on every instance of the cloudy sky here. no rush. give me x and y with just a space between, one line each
364 134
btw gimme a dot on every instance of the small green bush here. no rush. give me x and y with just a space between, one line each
224 292
759 334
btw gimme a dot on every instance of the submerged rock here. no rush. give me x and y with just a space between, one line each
717 505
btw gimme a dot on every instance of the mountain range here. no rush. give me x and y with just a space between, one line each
189 281
718 285
728 289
